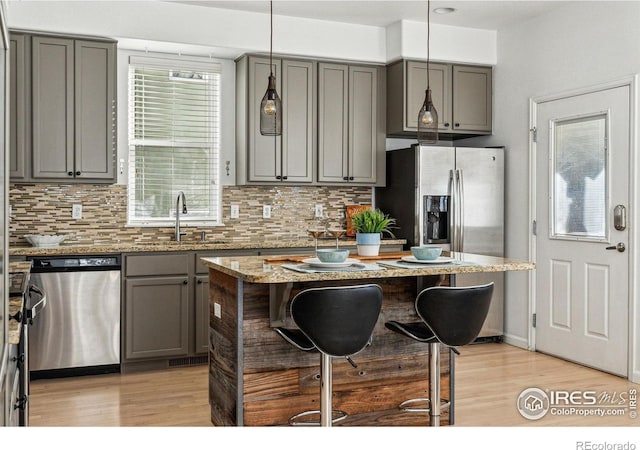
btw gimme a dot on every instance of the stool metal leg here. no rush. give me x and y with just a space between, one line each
326 384
328 416
434 384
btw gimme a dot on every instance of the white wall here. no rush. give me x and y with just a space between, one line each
580 45
228 34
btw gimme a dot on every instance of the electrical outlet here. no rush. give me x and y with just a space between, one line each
217 310
235 211
319 211
76 212
266 211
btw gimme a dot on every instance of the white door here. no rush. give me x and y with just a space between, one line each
582 181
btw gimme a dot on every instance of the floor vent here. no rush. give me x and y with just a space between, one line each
188 361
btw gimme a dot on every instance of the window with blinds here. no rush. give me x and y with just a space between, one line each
174 141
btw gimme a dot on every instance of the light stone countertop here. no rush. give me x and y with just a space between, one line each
172 246
255 269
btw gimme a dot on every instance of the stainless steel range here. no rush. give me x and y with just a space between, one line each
79 332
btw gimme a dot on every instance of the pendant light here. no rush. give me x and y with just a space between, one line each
428 116
271 105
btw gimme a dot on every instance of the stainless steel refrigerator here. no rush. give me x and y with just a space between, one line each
452 196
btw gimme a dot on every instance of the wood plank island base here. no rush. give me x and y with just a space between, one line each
258 379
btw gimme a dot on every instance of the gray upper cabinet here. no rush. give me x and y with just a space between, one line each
95 106
349 124
472 98
268 159
52 107
17 106
440 83
68 88
461 94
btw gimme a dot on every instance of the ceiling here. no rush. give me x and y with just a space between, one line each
492 15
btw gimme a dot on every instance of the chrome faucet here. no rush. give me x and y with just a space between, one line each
184 211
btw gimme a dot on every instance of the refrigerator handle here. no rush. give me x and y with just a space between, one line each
453 220
460 211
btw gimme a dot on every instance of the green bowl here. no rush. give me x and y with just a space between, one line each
332 255
426 253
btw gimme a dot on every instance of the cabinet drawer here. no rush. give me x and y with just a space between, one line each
165 264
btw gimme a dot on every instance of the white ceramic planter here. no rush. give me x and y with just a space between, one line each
368 244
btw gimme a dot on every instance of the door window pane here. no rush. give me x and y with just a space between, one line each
579 201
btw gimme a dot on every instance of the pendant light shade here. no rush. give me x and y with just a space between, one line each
427 116
427 121
271 105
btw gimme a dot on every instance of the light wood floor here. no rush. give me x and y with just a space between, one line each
489 378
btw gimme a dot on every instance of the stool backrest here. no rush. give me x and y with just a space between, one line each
455 315
338 320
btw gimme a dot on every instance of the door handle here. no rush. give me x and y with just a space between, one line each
619 246
620 217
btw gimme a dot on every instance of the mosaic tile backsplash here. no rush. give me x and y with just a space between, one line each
46 209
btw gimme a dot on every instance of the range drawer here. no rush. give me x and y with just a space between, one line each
157 264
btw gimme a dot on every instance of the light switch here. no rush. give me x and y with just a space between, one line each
217 310
266 211
235 211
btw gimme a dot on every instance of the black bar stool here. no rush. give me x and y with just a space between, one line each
337 322
452 316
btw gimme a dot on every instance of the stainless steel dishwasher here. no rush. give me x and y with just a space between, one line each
79 331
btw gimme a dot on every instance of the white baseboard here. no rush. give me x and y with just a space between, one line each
516 341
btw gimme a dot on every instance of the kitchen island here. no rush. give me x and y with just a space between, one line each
256 378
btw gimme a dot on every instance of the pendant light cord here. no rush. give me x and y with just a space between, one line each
428 36
271 37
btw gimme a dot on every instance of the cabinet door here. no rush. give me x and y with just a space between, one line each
202 314
17 107
363 107
264 151
95 107
472 98
298 102
416 82
156 317
333 122
53 107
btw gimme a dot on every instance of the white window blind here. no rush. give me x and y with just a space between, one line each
174 140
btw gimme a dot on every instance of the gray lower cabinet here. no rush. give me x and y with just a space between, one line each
462 96
166 308
63 113
13 388
157 317
349 119
157 304
276 159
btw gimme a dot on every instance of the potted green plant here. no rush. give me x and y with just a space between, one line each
369 225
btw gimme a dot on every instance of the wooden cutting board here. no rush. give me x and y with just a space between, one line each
299 258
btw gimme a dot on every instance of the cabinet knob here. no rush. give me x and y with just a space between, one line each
70 174
78 173
457 125
285 177
350 178
278 177
345 178
446 124
199 281
185 282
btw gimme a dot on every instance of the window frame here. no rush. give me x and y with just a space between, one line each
215 183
